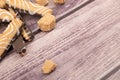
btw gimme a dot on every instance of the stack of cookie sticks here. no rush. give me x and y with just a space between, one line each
17 34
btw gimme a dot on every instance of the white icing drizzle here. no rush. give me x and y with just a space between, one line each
26 5
11 30
2 12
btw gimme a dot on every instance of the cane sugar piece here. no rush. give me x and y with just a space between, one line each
42 2
59 1
47 22
48 66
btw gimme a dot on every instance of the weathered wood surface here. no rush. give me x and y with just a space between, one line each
115 76
85 45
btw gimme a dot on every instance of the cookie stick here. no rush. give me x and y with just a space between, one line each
9 35
59 1
42 2
6 16
31 8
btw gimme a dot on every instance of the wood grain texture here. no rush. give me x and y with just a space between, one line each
112 74
85 45
115 76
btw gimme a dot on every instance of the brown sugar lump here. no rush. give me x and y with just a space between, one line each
42 2
59 1
47 22
2 3
48 66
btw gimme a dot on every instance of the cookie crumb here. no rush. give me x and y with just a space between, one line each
48 66
47 22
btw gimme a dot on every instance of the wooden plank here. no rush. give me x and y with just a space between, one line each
85 45
112 74
115 76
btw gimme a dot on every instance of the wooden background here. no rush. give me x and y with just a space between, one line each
85 44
